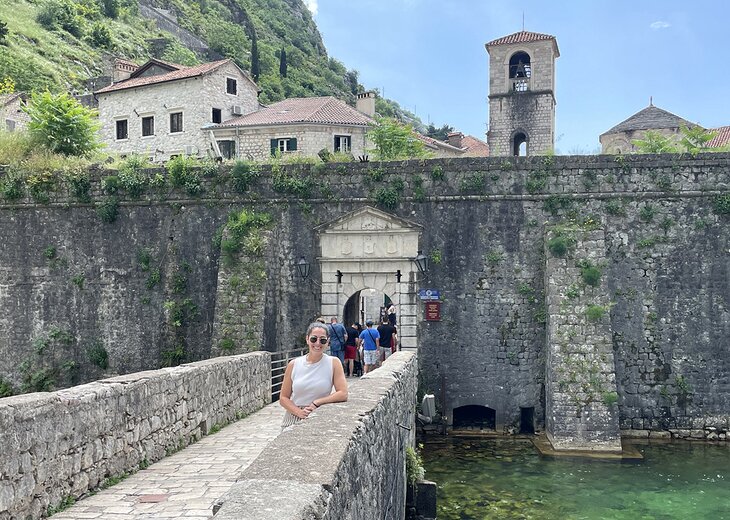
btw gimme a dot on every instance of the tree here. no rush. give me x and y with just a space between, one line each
695 139
393 140
62 124
282 63
255 66
442 134
655 142
7 86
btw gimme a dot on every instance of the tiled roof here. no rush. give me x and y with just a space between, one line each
6 99
474 147
322 110
186 72
721 139
435 143
650 118
520 37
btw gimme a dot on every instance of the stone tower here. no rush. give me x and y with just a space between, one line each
522 94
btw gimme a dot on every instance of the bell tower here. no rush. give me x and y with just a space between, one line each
522 94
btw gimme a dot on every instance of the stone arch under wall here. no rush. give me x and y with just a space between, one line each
367 249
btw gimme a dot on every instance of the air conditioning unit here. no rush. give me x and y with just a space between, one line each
190 149
237 110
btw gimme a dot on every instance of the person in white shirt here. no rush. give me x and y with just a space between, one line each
309 380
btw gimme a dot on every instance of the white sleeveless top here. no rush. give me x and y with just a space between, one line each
311 381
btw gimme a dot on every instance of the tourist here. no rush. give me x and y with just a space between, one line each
391 314
351 349
370 341
387 337
309 379
338 337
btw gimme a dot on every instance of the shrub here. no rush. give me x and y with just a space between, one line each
12 186
595 312
721 204
62 124
414 466
6 389
132 177
61 14
610 398
387 198
559 246
183 174
110 184
243 175
590 274
79 185
98 355
108 210
100 36
647 212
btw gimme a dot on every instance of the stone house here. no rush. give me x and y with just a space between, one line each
620 138
161 109
301 126
12 117
457 145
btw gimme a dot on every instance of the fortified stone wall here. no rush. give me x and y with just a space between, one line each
350 457
666 239
63 444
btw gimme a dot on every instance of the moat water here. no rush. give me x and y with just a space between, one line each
507 479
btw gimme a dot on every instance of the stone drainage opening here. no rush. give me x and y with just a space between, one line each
527 420
474 417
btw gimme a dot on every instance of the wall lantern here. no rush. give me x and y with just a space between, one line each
303 267
421 262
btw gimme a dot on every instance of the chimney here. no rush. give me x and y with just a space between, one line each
366 103
122 70
454 139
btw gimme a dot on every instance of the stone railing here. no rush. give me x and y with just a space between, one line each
60 445
346 461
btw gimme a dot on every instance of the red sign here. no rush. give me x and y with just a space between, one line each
433 311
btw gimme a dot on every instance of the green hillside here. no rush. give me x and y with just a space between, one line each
61 44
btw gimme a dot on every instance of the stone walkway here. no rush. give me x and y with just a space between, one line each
186 484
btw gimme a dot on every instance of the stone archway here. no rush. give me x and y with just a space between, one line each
367 249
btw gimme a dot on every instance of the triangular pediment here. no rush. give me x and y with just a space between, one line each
367 220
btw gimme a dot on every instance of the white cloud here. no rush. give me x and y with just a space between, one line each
312 6
659 25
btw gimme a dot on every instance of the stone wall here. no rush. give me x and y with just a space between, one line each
484 220
66 443
580 381
346 461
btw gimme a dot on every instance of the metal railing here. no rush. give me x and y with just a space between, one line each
279 361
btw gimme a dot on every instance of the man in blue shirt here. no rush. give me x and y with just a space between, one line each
370 340
338 337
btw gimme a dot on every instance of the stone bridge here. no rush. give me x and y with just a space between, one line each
219 445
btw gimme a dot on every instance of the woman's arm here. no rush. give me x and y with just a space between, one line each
340 384
285 395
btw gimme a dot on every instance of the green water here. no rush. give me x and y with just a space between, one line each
508 479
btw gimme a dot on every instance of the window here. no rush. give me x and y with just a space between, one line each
10 125
217 115
176 122
228 149
148 126
520 71
231 86
342 143
283 145
122 130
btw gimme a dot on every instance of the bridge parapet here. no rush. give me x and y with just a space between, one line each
63 444
346 461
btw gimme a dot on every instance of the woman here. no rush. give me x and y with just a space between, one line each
309 379
351 349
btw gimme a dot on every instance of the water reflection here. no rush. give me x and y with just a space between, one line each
507 479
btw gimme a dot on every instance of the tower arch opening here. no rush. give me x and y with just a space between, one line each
519 144
520 71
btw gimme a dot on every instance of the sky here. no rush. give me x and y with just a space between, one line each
429 56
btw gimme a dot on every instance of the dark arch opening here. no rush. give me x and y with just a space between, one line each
519 144
367 304
520 66
474 417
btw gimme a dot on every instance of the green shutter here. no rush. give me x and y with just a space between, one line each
274 146
293 144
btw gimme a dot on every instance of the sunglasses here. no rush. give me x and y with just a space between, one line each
322 341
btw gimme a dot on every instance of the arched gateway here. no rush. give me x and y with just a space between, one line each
371 249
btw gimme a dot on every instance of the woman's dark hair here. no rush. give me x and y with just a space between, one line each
318 325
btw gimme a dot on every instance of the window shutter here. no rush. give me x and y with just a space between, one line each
293 144
274 146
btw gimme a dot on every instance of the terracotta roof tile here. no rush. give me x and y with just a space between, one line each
187 72
474 147
323 110
721 139
520 37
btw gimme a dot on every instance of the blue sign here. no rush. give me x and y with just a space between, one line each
429 294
